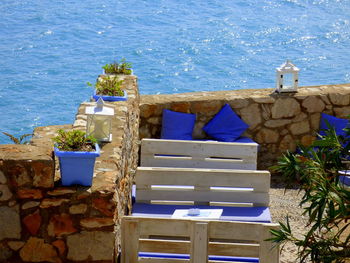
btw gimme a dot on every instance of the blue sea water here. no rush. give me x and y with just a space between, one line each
50 49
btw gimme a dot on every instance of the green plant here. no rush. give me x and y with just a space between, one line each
325 200
19 140
122 67
74 140
108 85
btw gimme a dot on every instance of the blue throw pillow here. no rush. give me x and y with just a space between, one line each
177 125
337 123
225 126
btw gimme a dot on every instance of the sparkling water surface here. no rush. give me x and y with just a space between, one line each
50 49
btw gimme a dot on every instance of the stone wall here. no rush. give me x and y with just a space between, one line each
41 221
276 121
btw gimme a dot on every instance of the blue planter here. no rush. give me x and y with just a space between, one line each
111 98
77 167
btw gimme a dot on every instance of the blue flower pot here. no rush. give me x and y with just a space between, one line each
77 167
111 98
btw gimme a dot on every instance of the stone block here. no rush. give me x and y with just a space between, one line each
300 127
15 245
339 99
313 104
315 121
94 245
78 209
61 191
207 108
60 225
29 193
307 140
30 204
5 193
251 115
36 250
267 136
285 108
300 117
342 112
60 245
46 203
32 222
43 174
277 123
96 222
3 179
106 207
287 143
264 99
10 223
180 107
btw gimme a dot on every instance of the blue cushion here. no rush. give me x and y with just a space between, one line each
225 126
338 124
177 125
244 139
345 180
259 214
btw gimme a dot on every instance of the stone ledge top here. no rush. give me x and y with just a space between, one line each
24 152
243 94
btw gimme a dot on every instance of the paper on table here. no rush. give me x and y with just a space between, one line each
204 214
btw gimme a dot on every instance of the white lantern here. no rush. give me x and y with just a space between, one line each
99 121
287 77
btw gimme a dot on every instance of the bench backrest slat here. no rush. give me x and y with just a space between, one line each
202 186
198 154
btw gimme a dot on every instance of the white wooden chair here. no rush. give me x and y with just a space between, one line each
242 194
196 241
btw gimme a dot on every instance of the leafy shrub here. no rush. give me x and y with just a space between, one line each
19 140
122 67
326 201
108 85
74 140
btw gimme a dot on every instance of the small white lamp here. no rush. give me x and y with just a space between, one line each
99 121
287 78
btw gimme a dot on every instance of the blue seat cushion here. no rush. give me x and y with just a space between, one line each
186 256
338 124
245 214
345 180
177 125
225 126
244 139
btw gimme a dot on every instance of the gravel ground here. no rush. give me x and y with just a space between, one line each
286 202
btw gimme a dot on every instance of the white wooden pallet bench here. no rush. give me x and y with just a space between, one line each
199 154
196 241
242 194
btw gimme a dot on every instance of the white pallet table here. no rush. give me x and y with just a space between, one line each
197 238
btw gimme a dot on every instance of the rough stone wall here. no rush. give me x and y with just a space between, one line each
276 121
41 221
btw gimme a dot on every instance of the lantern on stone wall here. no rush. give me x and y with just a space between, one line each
99 121
287 77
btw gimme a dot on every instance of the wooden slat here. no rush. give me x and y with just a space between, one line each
239 231
259 180
203 196
233 249
149 160
198 148
199 242
198 154
159 227
269 252
130 239
163 260
164 246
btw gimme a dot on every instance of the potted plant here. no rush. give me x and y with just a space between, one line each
109 89
121 67
76 153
